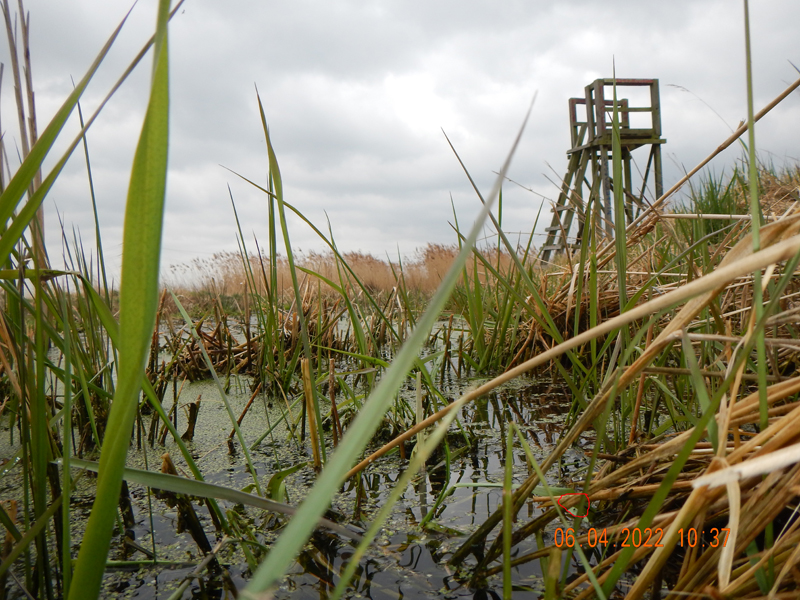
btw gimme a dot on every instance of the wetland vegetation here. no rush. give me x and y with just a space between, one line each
622 422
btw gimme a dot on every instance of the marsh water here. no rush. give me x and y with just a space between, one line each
405 561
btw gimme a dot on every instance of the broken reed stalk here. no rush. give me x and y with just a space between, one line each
188 519
508 514
194 410
209 560
780 432
652 209
553 574
671 522
640 390
741 256
703 372
711 217
420 411
246 408
336 425
311 413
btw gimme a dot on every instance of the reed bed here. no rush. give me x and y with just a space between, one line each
677 342
225 275
676 398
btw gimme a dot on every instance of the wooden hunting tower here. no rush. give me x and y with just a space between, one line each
589 166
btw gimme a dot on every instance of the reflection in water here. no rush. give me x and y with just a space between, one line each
409 563
404 561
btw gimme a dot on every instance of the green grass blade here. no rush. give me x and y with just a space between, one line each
67 448
30 166
543 316
98 238
35 529
552 492
202 489
364 426
138 304
276 489
755 221
700 388
508 504
275 177
415 464
370 298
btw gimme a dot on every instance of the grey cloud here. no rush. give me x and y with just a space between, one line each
356 93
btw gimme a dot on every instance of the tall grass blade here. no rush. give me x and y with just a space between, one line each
138 304
101 267
508 516
755 219
30 535
202 489
700 388
416 463
364 426
30 166
755 216
66 483
27 172
275 178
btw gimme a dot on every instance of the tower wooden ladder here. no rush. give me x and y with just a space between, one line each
588 167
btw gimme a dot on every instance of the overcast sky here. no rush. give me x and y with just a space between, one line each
357 93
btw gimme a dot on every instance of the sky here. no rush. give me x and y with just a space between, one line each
357 95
